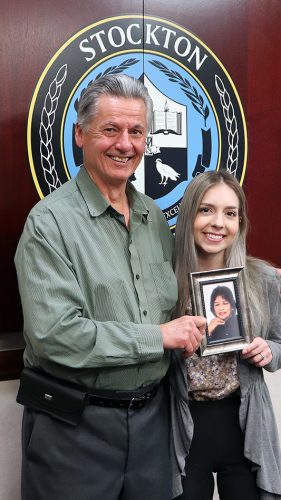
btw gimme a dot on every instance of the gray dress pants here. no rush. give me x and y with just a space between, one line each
112 454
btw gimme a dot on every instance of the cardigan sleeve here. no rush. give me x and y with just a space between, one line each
273 336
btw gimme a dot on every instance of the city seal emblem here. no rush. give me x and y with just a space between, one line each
198 120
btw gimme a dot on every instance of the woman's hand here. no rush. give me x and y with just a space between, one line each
258 352
214 323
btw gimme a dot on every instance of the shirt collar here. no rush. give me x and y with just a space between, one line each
97 203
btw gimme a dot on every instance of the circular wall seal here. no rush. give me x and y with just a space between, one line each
198 120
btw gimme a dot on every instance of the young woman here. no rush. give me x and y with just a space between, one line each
221 402
224 325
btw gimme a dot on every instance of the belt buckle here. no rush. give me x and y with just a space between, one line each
141 399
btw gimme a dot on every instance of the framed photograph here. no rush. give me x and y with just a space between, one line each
220 297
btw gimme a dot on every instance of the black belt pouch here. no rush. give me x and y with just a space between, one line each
41 392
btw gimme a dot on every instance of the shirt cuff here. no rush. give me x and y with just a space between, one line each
150 342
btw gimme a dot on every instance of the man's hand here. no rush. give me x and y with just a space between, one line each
184 333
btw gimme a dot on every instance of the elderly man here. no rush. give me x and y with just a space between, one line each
97 288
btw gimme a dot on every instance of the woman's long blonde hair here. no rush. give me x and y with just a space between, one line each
186 257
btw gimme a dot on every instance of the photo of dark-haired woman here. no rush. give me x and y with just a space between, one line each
225 324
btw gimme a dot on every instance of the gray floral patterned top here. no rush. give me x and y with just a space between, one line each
212 377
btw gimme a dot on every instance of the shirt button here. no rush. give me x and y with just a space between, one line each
144 313
137 276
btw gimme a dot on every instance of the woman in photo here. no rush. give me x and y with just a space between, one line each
224 325
222 414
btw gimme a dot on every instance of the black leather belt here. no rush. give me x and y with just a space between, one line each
134 402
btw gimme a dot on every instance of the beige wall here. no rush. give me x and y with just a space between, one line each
10 425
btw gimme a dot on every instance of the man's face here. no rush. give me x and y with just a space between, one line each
114 141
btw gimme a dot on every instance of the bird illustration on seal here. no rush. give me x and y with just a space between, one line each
166 172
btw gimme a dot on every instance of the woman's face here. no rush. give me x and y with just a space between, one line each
216 224
222 307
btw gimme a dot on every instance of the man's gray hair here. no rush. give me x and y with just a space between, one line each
119 85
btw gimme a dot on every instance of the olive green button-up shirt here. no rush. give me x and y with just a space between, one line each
93 292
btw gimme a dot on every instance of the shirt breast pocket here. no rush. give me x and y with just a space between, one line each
166 284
